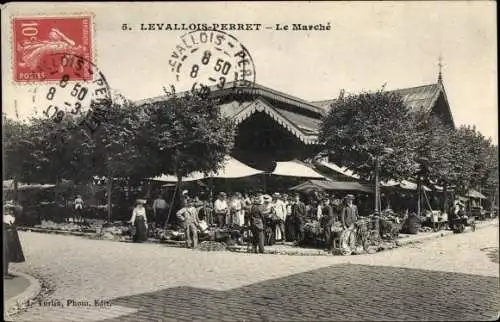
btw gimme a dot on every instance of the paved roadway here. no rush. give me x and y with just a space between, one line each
450 278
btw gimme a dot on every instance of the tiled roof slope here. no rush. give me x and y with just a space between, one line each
414 97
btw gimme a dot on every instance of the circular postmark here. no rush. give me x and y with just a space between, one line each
81 96
212 60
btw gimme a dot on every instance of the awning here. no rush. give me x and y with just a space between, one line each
341 170
407 185
295 169
475 194
168 178
8 185
327 185
232 169
235 169
403 184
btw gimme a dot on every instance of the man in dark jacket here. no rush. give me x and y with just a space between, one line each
349 213
256 218
298 216
348 217
327 221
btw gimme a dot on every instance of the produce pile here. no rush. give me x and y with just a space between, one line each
66 226
411 224
425 229
211 246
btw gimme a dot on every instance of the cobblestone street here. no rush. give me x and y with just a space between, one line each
450 278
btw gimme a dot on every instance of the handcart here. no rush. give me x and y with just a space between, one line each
459 222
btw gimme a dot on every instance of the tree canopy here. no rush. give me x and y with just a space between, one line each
185 133
357 128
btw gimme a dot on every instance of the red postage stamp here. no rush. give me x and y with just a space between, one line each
40 41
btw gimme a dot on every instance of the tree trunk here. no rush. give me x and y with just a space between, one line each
419 188
56 193
445 195
16 190
109 189
149 189
377 192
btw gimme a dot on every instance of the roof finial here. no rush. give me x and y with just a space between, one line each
341 94
440 64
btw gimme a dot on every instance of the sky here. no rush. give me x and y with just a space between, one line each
369 44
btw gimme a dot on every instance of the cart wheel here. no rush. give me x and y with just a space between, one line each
461 228
473 225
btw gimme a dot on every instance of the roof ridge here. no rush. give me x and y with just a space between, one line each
413 87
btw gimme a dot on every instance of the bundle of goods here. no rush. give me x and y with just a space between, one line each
118 231
65 226
313 233
367 234
411 224
222 235
176 235
424 229
93 225
211 246
390 226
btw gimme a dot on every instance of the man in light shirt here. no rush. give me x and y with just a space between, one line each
160 208
279 209
221 210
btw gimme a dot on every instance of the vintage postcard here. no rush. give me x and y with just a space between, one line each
250 161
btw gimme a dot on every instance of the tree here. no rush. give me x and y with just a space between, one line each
433 152
59 150
115 148
357 128
16 145
490 181
184 134
470 150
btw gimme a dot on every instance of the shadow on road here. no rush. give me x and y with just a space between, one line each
340 293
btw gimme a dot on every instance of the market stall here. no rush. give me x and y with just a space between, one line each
330 185
295 169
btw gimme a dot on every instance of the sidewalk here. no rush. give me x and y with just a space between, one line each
288 249
18 291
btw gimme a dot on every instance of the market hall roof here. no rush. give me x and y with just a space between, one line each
424 96
302 118
299 117
301 126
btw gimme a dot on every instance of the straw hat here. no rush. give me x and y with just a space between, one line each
267 198
258 200
276 195
349 197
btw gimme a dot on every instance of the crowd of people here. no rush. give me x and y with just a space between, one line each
277 217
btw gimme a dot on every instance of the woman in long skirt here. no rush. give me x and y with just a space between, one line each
13 251
140 222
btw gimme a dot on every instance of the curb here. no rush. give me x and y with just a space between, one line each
416 239
291 252
16 303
